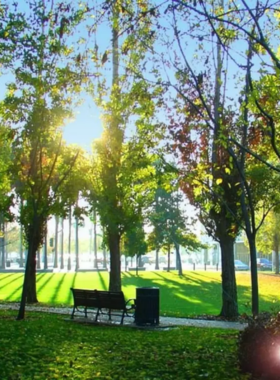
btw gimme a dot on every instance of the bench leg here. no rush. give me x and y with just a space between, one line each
122 318
97 314
73 312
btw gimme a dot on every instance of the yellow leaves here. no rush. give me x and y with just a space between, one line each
278 52
219 181
277 14
259 49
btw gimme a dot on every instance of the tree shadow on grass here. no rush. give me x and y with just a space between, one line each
49 278
15 291
188 296
4 277
14 279
57 289
102 281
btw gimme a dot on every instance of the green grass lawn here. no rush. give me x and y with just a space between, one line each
194 293
49 347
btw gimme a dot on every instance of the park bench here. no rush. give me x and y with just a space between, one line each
103 302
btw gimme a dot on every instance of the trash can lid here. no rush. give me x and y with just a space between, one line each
148 287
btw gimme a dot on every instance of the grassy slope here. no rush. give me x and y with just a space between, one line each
195 293
48 347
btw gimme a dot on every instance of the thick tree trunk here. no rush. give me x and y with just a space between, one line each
31 295
29 283
229 291
115 269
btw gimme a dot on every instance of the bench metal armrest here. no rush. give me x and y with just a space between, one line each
129 305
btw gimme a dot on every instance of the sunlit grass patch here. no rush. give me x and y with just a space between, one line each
194 293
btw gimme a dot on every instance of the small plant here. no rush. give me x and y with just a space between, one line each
259 347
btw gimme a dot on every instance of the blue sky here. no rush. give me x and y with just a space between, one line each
85 127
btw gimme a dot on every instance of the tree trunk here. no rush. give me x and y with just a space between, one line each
178 260
2 242
276 250
77 267
125 263
254 273
62 244
229 291
104 258
38 262
115 270
20 247
168 259
29 283
157 260
69 240
46 250
55 264
277 261
6 245
95 265
31 295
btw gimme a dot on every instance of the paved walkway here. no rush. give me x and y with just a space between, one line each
165 322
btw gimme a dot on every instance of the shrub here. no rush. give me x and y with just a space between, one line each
259 347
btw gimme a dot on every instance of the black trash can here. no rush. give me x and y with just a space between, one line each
8 263
147 306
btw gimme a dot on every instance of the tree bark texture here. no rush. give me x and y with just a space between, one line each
229 291
254 273
115 270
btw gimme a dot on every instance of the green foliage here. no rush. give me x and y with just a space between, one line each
170 225
134 242
47 347
121 191
37 104
6 160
